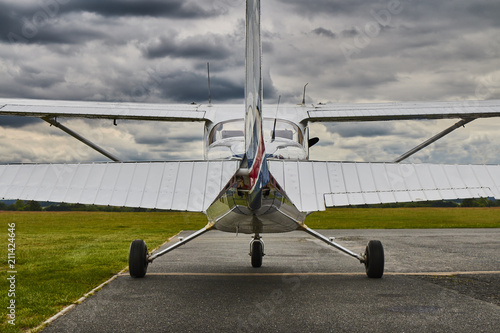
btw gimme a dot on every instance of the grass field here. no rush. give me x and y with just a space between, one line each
61 256
405 218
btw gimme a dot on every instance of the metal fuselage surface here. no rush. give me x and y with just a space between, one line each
235 209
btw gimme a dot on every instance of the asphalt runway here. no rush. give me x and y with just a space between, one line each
439 280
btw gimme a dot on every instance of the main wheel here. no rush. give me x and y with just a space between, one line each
257 253
374 259
138 259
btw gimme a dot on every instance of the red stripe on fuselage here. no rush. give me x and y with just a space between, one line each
257 164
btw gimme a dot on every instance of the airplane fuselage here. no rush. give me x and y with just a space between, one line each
234 210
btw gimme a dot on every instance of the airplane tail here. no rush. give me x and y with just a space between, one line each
254 164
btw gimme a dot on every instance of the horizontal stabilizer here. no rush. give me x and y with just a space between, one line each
184 186
313 186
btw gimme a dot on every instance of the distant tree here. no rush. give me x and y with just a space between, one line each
33 206
480 202
57 208
3 206
494 203
444 204
17 206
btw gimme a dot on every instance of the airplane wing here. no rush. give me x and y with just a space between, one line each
103 110
313 186
184 186
334 112
403 111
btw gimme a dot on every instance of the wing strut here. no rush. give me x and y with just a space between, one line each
433 139
80 138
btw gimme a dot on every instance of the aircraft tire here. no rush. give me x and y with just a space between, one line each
138 259
374 259
257 254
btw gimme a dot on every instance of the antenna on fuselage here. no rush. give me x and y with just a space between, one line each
275 116
209 94
304 95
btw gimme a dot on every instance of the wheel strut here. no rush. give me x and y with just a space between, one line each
373 258
139 258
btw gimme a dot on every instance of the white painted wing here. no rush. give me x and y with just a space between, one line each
312 186
404 111
183 186
196 112
105 110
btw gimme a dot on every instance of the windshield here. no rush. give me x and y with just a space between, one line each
233 129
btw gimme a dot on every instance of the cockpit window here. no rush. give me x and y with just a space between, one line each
225 130
231 134
234 128
284 130
285 134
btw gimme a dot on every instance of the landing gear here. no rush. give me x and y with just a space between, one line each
256 251
138 259
374 259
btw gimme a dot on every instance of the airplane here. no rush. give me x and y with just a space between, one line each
256 176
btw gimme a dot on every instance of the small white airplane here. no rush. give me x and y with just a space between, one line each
256 177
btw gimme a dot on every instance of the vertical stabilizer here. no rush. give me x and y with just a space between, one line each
254 140
253 83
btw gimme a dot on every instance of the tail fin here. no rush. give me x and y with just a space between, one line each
258 175
254 143
253 84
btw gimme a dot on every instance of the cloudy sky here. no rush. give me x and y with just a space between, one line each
156 51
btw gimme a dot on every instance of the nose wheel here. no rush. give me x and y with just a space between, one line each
256 251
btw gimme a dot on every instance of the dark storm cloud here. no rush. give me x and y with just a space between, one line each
351 32
17 122
361 78
322 7
7 21
158 139
40 22
65 35
324 32
186 87
21 25
415 9
463 13
486 10
150 139
178 9
452 17
202 46
33 77
348 130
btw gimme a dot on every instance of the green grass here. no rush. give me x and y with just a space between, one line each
61 256
404 218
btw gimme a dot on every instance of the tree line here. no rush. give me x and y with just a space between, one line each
33 206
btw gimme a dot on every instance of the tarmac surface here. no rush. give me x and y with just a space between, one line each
436 280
